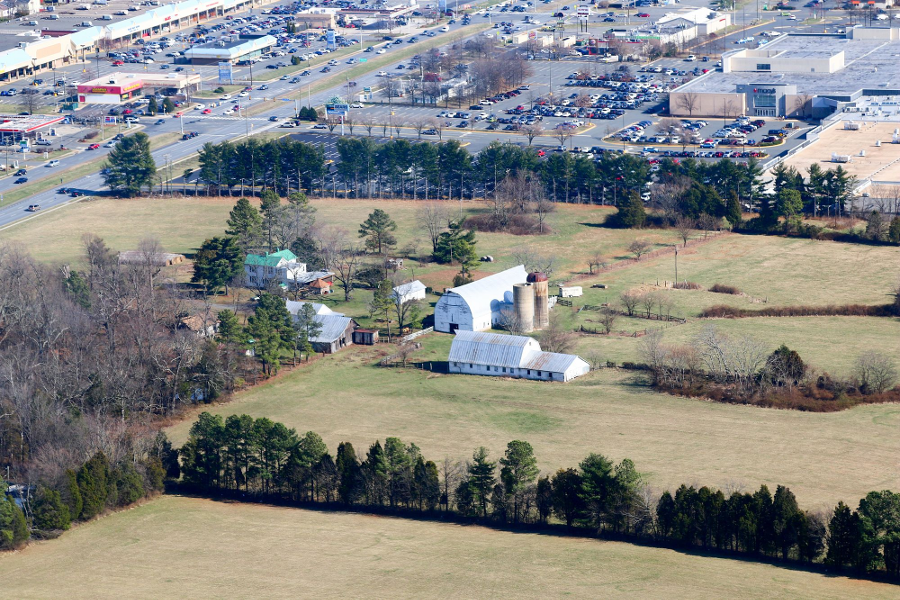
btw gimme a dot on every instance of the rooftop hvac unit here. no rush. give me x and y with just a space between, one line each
840 158
878 143
896 138
851 125
862 152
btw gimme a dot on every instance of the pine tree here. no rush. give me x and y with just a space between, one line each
152 106
272 331
71 495
518 470
348 469
13 526
168 106
733 213
308 327
455 245
50 512
377 230
630 213
129 484
131 166
217 262
93 483
244 224
481 479
269 203
230 330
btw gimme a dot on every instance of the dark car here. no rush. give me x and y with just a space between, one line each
21 180
20 172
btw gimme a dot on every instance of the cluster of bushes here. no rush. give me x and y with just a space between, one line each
722 311
740 369
719 288
261 459
686 285
80 495
308 113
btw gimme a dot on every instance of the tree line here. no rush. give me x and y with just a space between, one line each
259 458
91 358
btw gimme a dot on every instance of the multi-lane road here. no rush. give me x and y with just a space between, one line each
547 76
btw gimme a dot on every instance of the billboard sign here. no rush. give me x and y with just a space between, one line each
337 109
109 120
583 12
226 75
329 39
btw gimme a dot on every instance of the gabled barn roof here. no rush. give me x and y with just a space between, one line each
480 293
493 349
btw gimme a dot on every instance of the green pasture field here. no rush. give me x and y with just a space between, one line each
193 548
823 458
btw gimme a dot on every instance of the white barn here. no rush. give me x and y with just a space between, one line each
414 290
482 353
478 305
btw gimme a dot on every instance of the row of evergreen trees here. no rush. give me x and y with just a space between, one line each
261 457
80 495
406 168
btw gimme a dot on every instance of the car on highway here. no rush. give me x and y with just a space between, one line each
356 105
33 207
160 121
305 74
53 163
273 118
21 180
288 125
94 147
382 74
320 126
382 51
244 94
643 15
20 172
263 87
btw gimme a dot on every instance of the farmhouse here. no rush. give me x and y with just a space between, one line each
481 353
283 268
478 305
414 290
337 332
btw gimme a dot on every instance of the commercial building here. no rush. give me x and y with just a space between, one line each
45 50
798 75
121 87
481 353
244 47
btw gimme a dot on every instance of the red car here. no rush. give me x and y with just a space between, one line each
643 15
94 147
541 153
118 63
206 111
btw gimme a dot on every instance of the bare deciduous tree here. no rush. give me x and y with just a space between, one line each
532 131
874 372
685 226
639 248
556 337
596 261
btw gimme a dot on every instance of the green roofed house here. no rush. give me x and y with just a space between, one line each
282 267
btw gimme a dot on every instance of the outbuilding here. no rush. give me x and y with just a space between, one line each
336 333
414 290
365 337
482 353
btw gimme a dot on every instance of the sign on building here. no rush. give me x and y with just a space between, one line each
226 75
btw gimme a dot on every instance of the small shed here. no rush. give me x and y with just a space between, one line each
321 287
365 337
157 259
337 332
570 291
414 290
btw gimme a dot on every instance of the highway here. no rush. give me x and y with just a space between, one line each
547 76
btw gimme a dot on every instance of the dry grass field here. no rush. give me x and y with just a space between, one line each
823 458
768 270
176 547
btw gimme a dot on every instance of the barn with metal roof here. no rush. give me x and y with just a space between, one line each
478 305
481 353
337 332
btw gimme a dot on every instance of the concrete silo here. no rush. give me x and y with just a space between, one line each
541 287
523 306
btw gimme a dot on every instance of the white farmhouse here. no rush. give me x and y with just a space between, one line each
478 305
414 290
482 353
282 267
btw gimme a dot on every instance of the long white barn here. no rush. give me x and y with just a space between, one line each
477 306
481 353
